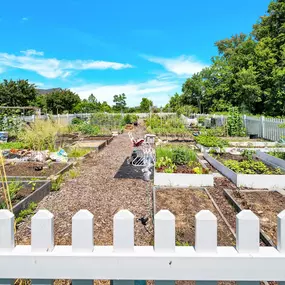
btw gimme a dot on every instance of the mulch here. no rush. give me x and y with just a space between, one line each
97 190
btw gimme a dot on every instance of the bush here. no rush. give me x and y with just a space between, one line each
77 121
235 124
183 155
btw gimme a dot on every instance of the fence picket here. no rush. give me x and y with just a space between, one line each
206 236
6 237
247 230
164 236
82 237
123 238
42 237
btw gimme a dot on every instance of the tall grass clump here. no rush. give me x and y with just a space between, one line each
41 135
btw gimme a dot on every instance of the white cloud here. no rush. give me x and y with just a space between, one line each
29 52
182 65
25 19
2 69
155 90
52 67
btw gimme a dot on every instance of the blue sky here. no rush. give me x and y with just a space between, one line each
142 48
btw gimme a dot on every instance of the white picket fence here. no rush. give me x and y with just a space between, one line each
123 262
67 118
266 128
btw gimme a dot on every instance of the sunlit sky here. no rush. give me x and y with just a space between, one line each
142 48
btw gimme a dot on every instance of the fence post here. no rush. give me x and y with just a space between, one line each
206 236
123 238
82 237
262 126
6 237
164 236
42 237
247 236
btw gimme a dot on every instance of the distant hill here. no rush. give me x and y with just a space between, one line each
47 91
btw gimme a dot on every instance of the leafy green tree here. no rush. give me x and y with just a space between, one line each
17 93
92 99
61 101
145 105
105 107
120 102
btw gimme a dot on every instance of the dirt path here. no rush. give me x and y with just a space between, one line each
97 190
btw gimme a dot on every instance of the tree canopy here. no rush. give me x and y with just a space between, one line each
145 105
248 73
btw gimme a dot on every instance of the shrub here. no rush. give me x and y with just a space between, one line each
235 123
77 121
183 155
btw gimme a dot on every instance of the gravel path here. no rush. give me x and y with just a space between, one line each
97 190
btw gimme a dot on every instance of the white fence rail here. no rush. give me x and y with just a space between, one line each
83 262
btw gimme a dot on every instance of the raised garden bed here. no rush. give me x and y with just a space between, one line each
70 139
274 160
23 193
247 172
236 149
29 170
178 166
185 205
265 204
92 144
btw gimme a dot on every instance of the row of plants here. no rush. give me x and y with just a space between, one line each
211 141
247 163
277 154
167 126
171 159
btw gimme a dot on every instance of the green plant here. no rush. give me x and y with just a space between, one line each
12 145
77 152
280 155
55 185
73 173
77 121
24 213
250 167
41 135
183 155
248 154
33 183
182 243
235 123
211 141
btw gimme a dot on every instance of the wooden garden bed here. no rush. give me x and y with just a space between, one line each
29 170
26 192
265 204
